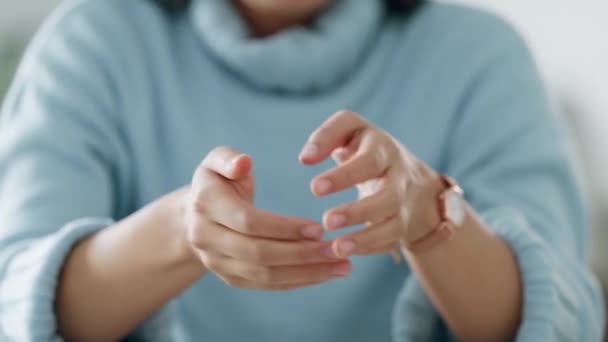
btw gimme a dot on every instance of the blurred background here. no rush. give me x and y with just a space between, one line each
569 39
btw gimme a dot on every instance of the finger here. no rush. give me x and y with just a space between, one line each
307 273
214 238
379 249
377 234
225 266
292 287
224 206
371 161
243 283
266 224
286 275
333 133
228 162
374 208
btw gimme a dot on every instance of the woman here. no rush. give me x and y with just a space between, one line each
112 226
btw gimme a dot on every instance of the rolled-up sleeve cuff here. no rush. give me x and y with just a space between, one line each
549 312
29 273
542 306
414 317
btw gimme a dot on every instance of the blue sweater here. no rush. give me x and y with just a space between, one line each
116 102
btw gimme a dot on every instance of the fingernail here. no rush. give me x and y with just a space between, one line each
341 270
309 151
346 248
336 220
312 232
323 186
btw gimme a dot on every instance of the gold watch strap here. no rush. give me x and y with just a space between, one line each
444 230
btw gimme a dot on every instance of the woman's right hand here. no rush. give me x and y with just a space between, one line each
249 247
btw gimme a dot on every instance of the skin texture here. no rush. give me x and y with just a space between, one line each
142 262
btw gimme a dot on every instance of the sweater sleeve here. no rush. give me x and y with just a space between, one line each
508 153
62 168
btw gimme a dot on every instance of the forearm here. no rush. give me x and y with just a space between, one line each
474 282
120 276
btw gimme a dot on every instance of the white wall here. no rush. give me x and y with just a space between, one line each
18 16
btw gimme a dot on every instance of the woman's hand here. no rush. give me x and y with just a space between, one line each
248 247
396 190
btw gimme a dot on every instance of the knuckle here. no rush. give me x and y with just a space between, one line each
198 175
199 197
207 160
244 219
340 155
218 154
219 151
197 237
214 151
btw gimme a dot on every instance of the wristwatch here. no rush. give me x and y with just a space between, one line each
452 212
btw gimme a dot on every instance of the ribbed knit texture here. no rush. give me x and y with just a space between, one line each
116 102
293 61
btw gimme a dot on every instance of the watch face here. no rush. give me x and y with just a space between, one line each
454 207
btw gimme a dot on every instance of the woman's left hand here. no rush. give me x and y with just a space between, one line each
397 191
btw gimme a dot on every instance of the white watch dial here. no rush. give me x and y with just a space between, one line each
455 210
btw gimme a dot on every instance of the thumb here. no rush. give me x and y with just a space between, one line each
229 163
239 167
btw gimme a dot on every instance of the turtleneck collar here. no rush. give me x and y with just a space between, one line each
296 60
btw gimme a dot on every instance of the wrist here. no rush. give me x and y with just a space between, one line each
182 252
425 214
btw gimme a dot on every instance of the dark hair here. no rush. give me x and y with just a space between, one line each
395 6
